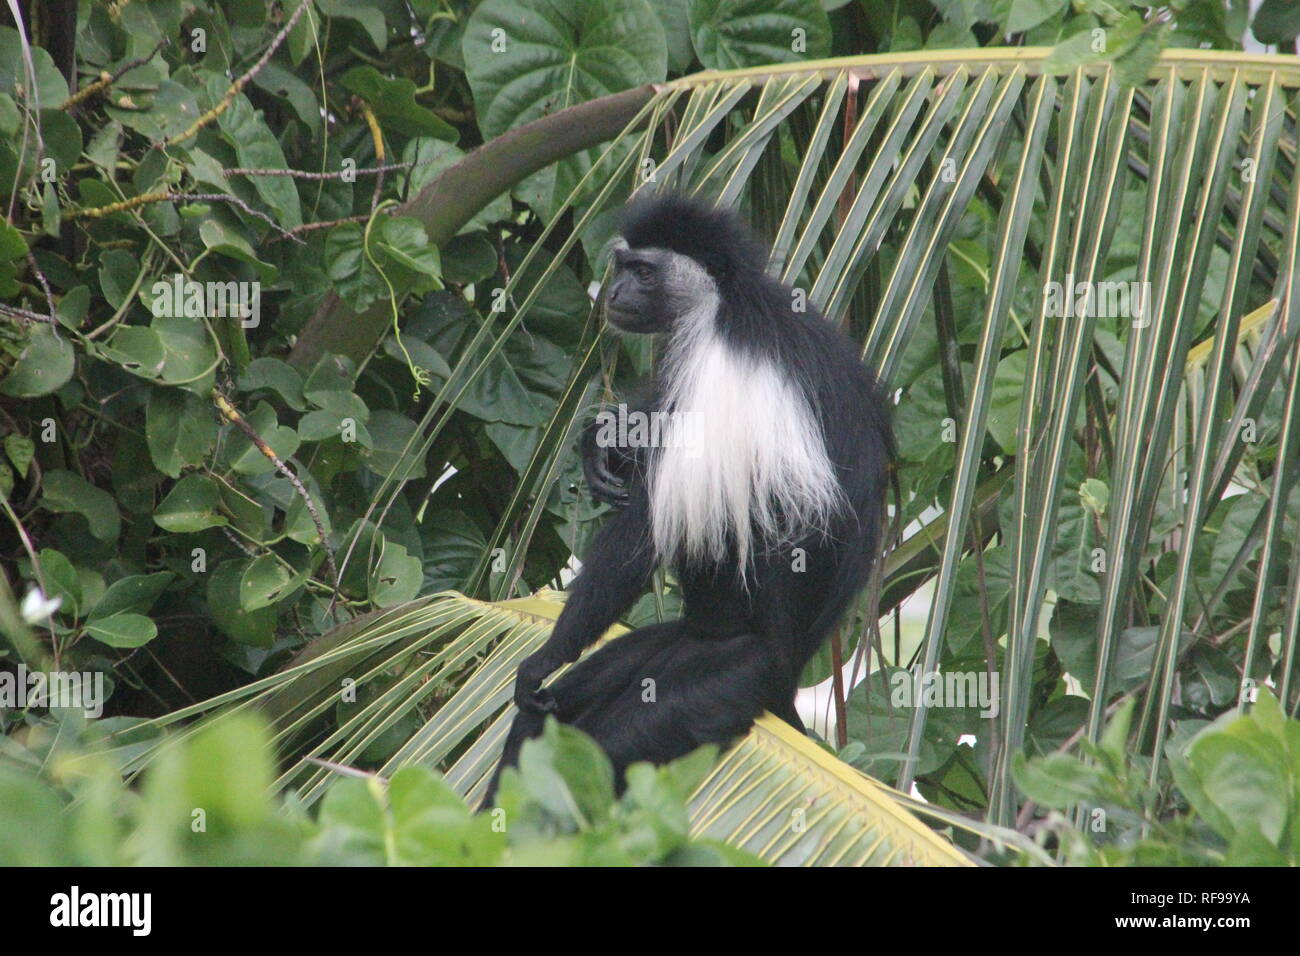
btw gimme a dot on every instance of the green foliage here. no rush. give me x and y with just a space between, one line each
1130 40
206 801
1276 21
527 58
1233 798
158 430
736 33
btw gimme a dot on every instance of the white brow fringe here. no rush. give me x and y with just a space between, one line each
753 462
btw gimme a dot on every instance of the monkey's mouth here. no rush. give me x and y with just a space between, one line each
625 320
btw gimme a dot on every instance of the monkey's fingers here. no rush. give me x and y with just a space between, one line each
539 701
530 696
611 493
604 484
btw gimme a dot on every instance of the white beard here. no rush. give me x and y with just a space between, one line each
742 462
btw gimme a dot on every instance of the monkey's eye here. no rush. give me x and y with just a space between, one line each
643 273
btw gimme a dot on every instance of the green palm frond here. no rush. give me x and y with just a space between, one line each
775 793
783 798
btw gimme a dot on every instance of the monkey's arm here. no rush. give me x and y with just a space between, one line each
615 570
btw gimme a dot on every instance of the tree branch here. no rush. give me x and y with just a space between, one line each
451 200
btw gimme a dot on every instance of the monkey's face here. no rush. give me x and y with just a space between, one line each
652 288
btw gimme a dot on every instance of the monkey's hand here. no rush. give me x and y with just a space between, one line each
606 483
530 696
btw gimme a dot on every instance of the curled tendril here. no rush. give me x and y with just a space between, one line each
420 375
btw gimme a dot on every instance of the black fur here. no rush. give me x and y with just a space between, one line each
739 649
714 238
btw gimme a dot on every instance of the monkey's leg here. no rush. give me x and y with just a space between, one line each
659 693
590 686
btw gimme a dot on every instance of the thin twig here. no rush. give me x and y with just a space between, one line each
18 313
297 231
231 414
234 539
237 87
144 199
239 204
44 283
337 174
107 79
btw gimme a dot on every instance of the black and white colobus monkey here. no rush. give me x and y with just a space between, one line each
765 496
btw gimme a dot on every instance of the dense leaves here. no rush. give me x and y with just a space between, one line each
1239 777
205 803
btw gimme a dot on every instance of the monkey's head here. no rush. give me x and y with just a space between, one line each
675 256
